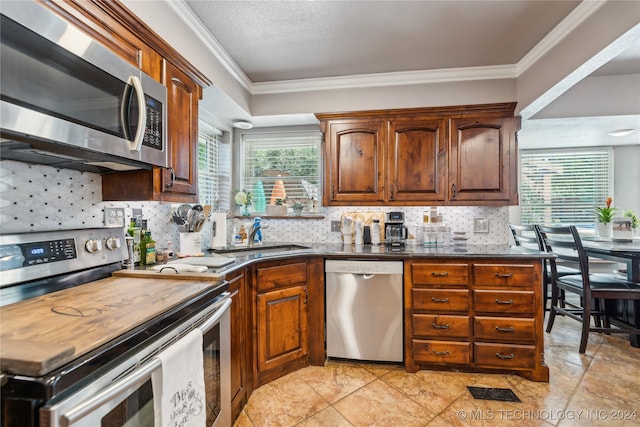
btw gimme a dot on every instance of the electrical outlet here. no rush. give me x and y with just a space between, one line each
335 226
114 217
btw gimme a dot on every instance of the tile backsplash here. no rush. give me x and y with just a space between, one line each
36 198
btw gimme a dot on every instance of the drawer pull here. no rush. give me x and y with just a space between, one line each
509 329
434 299
436 326
504 275
439 274
505 356
441 353
498 301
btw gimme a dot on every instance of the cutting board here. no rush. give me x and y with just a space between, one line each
212 262
43 333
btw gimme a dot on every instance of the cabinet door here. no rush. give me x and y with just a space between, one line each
355 169
282 327
240 344
417 160
482 162
182 128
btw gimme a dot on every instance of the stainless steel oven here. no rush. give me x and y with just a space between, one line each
124 395
110 383
68 101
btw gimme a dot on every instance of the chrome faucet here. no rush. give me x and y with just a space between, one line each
252 234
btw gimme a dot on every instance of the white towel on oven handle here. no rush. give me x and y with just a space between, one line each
178 386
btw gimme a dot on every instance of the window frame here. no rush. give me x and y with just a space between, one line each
581 214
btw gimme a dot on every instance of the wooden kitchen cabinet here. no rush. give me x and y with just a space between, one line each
114 26
240 340
436 156
355 172
288 317
482 164
480 315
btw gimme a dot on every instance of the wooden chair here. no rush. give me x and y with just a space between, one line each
527 236
564 242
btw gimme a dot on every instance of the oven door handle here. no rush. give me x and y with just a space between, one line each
115 390
211 321
134 380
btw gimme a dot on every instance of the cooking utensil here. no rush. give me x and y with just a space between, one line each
183 211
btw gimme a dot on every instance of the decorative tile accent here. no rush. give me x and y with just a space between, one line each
36 198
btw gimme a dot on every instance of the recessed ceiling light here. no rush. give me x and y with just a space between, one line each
621 132
241 124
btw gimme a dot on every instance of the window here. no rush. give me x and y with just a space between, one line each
564 186
288 164
214 167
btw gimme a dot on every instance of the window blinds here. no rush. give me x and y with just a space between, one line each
289 162
214 167
563 187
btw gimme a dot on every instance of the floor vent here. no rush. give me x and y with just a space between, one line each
489 393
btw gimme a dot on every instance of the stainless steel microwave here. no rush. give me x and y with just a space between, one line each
67 101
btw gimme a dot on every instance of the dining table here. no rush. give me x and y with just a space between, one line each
623 251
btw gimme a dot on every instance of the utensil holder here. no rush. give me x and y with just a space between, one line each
190 244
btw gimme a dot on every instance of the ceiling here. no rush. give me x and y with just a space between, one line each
270 42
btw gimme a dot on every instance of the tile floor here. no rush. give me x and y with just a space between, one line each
599 388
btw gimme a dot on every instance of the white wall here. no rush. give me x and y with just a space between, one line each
626 194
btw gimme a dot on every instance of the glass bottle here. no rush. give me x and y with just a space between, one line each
134 231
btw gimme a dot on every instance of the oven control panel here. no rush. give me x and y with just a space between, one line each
48 251
35 255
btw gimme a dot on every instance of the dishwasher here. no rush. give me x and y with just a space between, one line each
364 310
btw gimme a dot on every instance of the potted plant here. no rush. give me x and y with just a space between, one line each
277 208
297 208
243 199
605 215
634 219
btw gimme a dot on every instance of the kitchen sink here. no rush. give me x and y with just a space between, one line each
259 249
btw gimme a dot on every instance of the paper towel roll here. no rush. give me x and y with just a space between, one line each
218 230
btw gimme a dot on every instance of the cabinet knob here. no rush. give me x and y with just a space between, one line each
434 299
439 274
504 302
509 329
441 353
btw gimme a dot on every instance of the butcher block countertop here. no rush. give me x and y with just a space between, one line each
43 333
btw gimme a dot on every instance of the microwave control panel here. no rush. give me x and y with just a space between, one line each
153 131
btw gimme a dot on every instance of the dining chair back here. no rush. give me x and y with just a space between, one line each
528 236
565 243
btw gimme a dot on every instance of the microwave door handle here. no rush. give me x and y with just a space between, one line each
136 143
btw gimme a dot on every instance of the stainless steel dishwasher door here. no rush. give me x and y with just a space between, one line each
364 310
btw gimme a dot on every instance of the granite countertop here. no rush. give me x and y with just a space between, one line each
337 250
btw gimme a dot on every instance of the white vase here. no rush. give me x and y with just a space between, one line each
604 230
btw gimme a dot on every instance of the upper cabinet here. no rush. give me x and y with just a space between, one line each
439 156
116 28
355 172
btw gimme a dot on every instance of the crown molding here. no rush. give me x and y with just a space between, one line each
509 71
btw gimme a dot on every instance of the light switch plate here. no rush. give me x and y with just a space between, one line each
114 217
481 225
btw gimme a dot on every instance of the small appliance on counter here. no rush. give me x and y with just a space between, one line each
395 232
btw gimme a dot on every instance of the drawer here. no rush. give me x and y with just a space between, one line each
441 352
505 356
504 274
281 276
445 326
440 299
504 301
440 274
504 328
